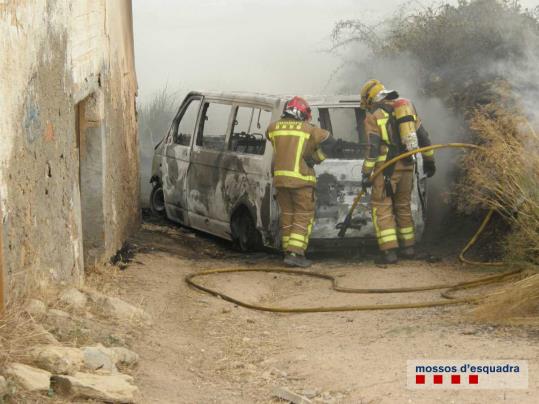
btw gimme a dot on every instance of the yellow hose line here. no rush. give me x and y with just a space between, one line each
473 240
190 279
388 163
453 287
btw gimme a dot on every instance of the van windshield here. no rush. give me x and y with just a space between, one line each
347 127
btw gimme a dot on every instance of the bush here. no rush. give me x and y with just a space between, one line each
451 52
505 176
480 58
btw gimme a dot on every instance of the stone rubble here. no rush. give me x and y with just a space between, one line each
74 299
45 335
66 370
28 377
117 388
118 308
124 356
36 308
100 359
57 359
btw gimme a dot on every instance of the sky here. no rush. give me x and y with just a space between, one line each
270 46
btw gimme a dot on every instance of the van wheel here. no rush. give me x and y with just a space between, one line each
157 200
244 233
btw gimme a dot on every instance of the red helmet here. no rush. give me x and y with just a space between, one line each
297 108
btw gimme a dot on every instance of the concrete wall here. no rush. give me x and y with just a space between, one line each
68 137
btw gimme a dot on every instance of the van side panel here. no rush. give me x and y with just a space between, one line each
220 183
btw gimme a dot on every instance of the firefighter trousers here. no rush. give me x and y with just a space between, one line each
392 215
297 217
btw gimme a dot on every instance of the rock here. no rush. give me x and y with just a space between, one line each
28 377
118 308
59 320
284 394
4 390
116 339
74 299
124 356
99 358
117 388
310 393
58 359
36 308
45 335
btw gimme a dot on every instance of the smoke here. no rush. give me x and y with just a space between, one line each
402 73
448 60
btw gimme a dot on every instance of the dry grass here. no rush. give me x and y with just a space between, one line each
517 304
505 177
17 333
104 278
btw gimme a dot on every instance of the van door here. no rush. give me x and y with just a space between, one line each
177 160
206 195
248 180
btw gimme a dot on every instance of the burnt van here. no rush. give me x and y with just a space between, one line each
212 170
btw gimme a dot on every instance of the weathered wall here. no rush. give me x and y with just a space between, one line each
56 57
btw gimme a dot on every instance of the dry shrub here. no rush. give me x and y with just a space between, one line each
505 176
17 332
517 304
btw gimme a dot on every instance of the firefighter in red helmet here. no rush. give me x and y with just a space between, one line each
295 152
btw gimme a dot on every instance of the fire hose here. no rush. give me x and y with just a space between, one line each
448 287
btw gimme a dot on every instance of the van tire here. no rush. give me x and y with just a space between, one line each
157 201
245 235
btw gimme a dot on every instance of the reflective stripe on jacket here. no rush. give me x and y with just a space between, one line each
294 142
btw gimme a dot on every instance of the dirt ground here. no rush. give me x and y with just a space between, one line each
201 349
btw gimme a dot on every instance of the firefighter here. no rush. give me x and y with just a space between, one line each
295 152
392 127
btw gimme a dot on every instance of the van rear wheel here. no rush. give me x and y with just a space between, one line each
157 200
244 233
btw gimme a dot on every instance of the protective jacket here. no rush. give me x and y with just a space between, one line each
387 128
295 151
393 128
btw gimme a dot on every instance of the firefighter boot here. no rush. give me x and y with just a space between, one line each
407 253
388 257
296 260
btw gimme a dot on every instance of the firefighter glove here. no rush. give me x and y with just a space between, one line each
309 161
366 181
429 168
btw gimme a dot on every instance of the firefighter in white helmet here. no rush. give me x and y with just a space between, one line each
392 127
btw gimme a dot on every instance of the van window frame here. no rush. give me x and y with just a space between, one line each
264 107
206 100
179 116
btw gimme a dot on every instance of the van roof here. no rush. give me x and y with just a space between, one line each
253 97
238 95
